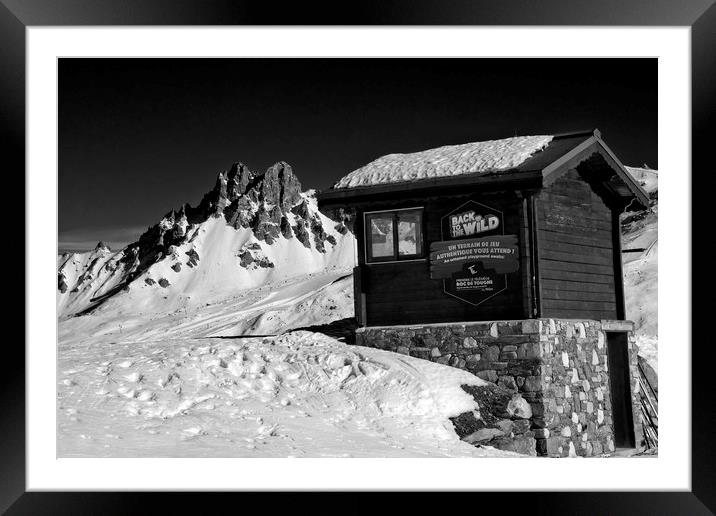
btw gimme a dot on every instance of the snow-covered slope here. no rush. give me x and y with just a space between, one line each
248 231
450 160
298 395
640 231
270 309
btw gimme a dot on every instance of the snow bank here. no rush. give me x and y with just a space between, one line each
298 395
450 160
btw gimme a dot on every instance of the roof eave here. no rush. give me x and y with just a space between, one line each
527 178
631 183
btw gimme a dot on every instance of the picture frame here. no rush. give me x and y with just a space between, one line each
16 16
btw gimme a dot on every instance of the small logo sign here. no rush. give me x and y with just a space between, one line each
470 223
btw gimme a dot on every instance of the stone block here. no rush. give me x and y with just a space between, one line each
450 346
493 330
554 446
520 426
483 434
429 341
541 433
531 326
492 353
551 327
508 382
523 444
420 352
489 375
505 425
580 330
519 408
473 361
610 325
532 384
568 331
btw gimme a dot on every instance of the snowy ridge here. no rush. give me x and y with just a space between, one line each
450 160
75 270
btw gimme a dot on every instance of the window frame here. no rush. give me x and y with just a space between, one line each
396 257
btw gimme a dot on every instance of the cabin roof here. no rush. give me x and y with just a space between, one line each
521 159
450 160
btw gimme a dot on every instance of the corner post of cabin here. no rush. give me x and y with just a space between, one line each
618 262
532 246
528 263
359 280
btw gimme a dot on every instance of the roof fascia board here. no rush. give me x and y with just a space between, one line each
567 157
428 185
635 187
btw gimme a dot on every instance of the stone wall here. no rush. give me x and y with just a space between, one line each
559 366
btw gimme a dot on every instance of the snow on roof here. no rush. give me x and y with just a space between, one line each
450 160
646 177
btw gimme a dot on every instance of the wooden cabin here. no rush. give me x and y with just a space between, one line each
520 228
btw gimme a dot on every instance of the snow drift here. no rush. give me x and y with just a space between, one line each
297 395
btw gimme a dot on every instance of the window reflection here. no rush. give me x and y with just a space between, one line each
381 236
410 238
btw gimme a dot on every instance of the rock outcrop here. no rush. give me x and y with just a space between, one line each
501 421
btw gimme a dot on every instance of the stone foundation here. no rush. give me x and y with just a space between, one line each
559 366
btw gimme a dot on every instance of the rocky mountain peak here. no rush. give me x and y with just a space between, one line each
270 204
280 186
238 178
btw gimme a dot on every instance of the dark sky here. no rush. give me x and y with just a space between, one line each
138 137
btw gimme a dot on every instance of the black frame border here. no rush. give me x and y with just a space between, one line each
17 15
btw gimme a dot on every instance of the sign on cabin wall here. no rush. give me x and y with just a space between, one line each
475 256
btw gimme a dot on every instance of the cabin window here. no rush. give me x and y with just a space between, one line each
394 235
